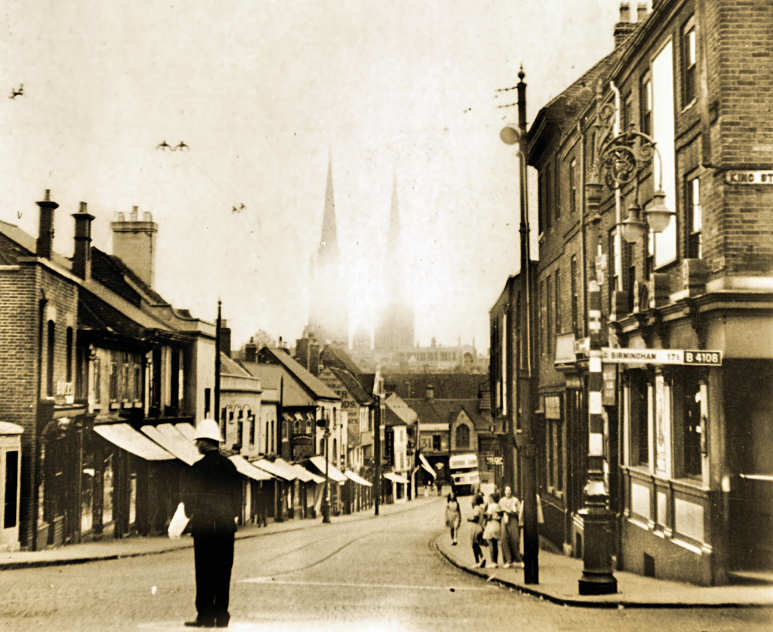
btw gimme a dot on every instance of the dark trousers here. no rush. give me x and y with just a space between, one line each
213 556
476 550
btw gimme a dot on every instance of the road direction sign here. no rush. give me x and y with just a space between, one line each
695 357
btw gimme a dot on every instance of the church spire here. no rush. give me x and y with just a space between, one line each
329 239
394 222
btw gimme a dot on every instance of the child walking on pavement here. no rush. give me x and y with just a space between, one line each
477 519
453 516
493 528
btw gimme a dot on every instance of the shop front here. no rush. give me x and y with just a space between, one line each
697 471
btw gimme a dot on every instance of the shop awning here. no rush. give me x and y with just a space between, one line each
127 438
186 429
248 470
397 478
306 476
357 478
172 441
279 468
333 472
425 464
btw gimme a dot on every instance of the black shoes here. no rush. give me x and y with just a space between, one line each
219 622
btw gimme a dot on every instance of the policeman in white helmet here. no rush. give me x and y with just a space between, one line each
212 501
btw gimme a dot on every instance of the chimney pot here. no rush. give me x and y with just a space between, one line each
81 259
147 216
45 240
133 216
625 12
641 12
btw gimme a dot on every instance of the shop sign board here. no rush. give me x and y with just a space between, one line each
697 357
552 407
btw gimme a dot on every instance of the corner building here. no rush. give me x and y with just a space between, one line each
687 437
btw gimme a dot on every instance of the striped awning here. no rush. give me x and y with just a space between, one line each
173 441
306 476
279 468
357 478
333 472
425 464
127 438
397 478
249 470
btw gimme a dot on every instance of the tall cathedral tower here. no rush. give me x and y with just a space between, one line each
328 319
395 328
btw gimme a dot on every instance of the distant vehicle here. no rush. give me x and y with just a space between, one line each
464 473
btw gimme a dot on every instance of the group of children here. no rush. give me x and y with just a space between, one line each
495 524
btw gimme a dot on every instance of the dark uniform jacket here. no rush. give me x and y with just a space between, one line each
213 495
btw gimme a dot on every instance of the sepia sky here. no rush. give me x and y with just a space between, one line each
262 91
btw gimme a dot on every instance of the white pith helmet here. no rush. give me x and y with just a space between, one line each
208 429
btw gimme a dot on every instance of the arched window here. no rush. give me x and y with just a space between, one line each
462 436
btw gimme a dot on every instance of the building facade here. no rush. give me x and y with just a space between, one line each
672 118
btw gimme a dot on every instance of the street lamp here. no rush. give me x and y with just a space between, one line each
324 422
528 452
622 158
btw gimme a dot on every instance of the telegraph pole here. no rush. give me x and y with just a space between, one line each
527 451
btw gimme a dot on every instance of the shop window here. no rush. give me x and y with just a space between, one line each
137 383
694 219
689 58
462 436
688 420
554 471
638 415
114 369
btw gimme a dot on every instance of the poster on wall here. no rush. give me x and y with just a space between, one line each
662 426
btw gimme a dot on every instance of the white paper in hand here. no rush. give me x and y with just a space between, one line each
178 522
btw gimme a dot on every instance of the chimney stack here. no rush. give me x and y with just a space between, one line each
641 12
624 27
429 392
45 241
302 352
251 351
314 352
134 242
81 258
225 337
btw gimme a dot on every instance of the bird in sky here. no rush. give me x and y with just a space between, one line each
238 209
181 146
17 92
163 145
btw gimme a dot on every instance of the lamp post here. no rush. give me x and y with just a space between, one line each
324 422
620 159
528 452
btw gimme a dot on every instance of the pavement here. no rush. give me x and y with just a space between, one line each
559 575
110 548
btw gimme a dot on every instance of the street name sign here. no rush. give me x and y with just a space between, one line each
696 357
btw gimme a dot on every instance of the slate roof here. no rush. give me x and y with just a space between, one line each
315 387
446 385
271 376
229 366
353 385
21 244
334 356
398 412
446 410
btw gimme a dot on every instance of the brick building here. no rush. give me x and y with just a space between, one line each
676 114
